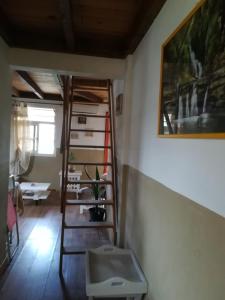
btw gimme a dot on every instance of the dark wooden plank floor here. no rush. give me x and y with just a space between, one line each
33 273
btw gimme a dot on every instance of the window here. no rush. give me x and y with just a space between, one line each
41 130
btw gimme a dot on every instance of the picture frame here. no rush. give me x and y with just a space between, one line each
119 104
82 120
192 85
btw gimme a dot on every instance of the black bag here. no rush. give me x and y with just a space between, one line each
97 214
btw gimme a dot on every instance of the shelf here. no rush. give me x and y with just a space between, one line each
72 250
89 182
90 116
89 202
90 163
78 225
90 146
90 130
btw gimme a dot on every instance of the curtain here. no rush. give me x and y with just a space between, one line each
21 140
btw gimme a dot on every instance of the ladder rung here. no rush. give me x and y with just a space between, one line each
90 163
89 202
89 225
90 116
92 88
89 182
88 102
90 130
72 250
90 146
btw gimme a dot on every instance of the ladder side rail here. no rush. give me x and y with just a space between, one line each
112 137
65 175
63 155
114 151
67 148
64 133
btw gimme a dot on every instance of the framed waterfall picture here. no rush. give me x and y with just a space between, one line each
192 91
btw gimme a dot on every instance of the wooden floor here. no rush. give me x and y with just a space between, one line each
33 273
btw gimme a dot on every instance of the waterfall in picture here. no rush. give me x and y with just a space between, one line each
197 66
198 70
194 101
205 101
187 112
180 110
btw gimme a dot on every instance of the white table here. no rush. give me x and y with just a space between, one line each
35 190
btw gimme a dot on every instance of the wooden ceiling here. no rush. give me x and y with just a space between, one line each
34 86
111 28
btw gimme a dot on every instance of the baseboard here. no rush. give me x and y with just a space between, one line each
4 265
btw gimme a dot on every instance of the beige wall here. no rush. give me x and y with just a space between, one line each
4 141
179 244
46 169
89 156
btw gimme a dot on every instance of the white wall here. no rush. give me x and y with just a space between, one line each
192 167
5 102
118 88
123 121
79 65
91 123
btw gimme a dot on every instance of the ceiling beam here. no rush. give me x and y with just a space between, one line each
46 96
67 20
15 92
32 84
110 47
146 14
104 45
90 83
33 100
60 82
89 96
5 28
61 79
80 99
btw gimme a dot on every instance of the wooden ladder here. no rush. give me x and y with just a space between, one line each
68 116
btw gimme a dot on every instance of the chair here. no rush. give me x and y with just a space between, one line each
12 219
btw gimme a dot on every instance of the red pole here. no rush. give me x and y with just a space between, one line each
106 143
